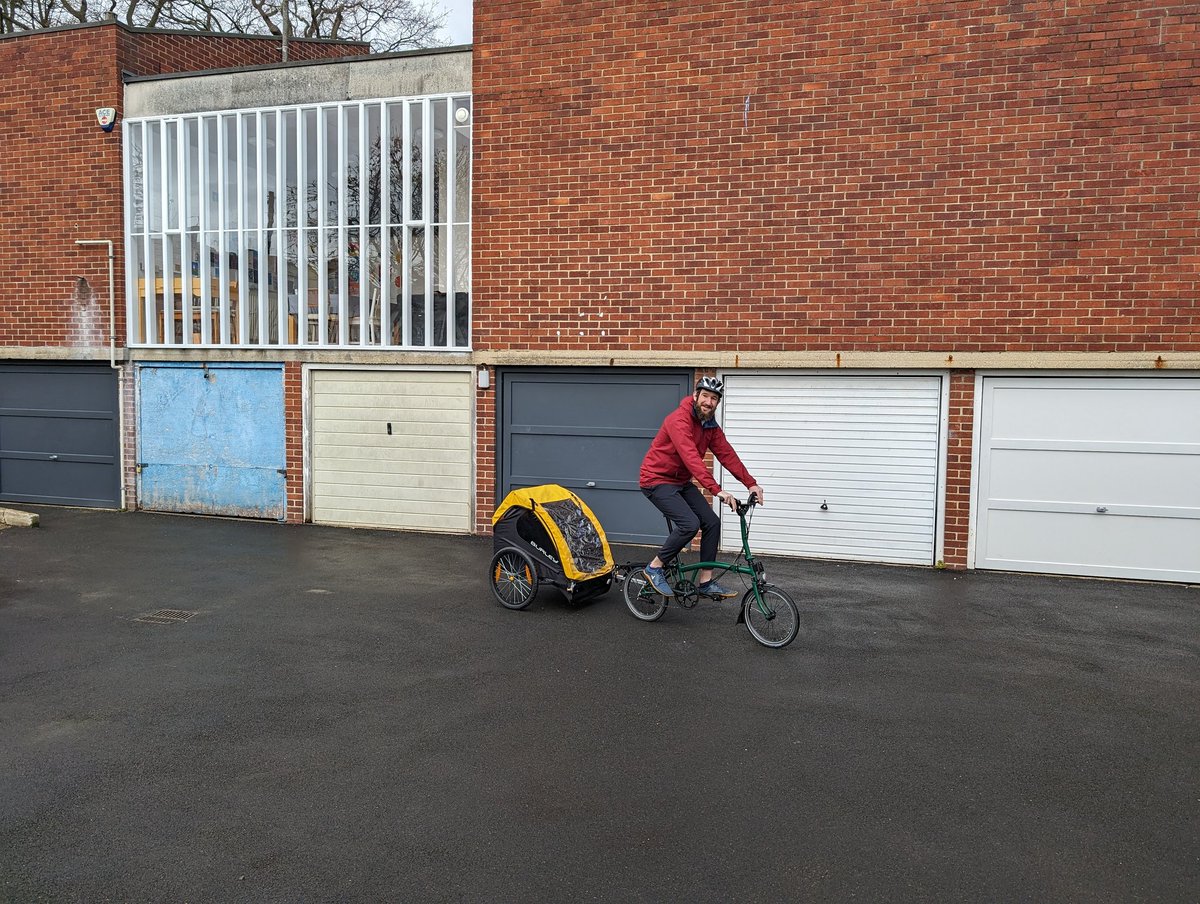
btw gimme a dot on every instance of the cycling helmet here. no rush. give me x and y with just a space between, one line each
712 384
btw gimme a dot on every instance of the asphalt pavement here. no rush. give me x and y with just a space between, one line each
348 715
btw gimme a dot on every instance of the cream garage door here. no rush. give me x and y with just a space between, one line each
849 463
392 448
1090 476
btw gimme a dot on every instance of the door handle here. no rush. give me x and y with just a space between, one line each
54 458
591 483
1101 509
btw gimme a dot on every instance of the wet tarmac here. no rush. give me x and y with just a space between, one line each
348 715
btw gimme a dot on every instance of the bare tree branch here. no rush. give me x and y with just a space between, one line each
388 24
79 13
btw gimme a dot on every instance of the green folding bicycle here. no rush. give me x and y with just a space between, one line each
770 614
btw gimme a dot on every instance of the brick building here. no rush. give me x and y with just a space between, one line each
60 178
229 313
946 261
944 254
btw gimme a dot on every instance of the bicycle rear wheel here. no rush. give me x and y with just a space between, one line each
514 578
780 625
641 598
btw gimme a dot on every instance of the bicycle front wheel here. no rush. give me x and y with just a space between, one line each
779 625
641 598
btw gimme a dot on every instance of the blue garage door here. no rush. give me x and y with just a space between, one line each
588 431
211 439
58 435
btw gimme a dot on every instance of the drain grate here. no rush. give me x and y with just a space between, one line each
166 616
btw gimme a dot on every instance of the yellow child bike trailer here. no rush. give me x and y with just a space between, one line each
547 534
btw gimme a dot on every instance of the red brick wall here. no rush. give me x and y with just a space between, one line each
958 468
60 181
293 419
153 53
971 175
60 175
485 454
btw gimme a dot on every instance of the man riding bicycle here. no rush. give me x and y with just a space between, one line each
676 457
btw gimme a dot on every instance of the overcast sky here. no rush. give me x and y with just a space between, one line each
458 21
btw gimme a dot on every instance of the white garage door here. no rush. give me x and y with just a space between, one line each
864 447
392 449
1090 476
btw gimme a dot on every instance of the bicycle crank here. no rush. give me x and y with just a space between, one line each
686 594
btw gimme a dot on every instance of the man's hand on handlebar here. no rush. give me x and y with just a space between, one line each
756 498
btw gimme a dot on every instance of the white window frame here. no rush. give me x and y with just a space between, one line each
157 316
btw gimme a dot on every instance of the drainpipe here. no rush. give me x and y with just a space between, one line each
112 355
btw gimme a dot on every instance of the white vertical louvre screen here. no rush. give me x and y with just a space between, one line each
344 225
866 447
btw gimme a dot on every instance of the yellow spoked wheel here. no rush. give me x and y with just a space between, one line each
514 578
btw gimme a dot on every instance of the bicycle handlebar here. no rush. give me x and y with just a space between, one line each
743 508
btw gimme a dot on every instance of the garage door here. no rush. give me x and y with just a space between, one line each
1090 476
58 435
849 464
392 448
211 439
588 431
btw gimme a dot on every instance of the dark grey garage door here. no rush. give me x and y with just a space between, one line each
58 435
587 431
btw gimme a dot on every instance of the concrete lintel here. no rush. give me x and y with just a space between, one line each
1173 361
58 353
834 360
304 356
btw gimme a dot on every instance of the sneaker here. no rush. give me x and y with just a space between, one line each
715 590
658 580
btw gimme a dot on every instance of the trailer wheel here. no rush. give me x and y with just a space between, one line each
514 578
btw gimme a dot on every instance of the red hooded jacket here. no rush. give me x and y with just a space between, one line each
677 453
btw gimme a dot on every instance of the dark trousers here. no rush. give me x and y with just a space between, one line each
689 512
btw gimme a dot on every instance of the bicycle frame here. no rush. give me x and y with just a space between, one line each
753 567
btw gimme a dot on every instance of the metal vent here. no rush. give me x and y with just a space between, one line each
166 616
